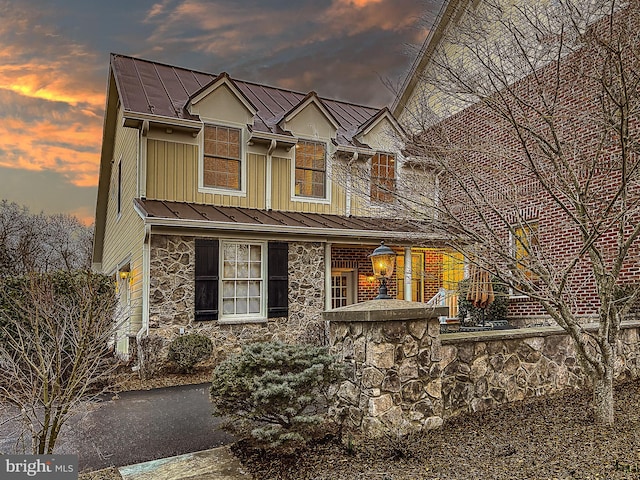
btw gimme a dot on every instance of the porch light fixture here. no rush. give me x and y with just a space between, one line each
383 260
124 275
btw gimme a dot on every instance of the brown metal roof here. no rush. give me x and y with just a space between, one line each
154 88
210 216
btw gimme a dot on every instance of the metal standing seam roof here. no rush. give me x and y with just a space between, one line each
155 88
217 215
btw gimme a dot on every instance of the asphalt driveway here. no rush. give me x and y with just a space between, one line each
140 426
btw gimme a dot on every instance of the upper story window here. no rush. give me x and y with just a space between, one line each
222 157
311 169
383 177
524 244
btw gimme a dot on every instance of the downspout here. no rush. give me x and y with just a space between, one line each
268 190
146 274
354 157
142 160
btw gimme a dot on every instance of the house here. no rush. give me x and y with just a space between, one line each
234 208
464 92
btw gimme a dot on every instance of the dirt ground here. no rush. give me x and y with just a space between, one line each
544 438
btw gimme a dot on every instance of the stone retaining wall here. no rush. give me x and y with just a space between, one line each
482 370
403 374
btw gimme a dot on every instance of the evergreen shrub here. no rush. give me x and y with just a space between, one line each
273 392
187 350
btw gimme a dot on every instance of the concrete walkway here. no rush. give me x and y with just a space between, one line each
215 464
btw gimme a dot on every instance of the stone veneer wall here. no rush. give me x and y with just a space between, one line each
403 374
482 370
391 356
171 300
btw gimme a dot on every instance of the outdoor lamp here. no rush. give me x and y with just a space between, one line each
383 260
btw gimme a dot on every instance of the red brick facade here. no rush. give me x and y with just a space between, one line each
488 149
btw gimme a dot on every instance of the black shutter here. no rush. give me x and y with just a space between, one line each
207 277
278 280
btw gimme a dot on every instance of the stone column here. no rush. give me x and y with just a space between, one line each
391 349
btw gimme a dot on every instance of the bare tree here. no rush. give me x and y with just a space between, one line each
55 333
41 243
524 156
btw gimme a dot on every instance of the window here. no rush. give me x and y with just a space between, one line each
242 277
119 187
383 177
222 160
525 243
242 281
311 169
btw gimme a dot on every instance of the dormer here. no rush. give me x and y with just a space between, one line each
221 99
380 132
310 118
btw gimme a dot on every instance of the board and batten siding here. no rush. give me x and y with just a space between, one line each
172 175
124 231
281 192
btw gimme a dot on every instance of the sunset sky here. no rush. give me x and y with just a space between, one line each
54 58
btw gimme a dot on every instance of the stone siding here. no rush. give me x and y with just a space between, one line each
172 297
403 374
393 379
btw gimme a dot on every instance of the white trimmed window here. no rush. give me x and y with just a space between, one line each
310 169
222 159
242 279
383 177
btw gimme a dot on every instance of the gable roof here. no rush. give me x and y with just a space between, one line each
448 11
155 90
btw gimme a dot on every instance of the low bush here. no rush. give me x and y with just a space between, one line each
187 350
273 392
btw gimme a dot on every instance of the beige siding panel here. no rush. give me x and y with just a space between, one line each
172 175
281 193
124 232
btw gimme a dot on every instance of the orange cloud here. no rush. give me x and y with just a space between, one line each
232 28
71 149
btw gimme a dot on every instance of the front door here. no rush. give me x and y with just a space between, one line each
343 287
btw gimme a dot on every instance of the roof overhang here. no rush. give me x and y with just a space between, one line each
445 15
283 141
137 119
242 221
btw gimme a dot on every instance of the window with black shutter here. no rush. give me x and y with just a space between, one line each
241 280
278 280
206 276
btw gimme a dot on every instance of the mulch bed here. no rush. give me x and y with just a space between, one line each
543 438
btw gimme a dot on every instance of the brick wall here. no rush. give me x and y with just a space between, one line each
487 150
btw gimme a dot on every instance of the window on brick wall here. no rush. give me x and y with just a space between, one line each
383 177
310 169
524 241
222 157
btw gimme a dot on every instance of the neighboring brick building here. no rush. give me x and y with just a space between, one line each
566 112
